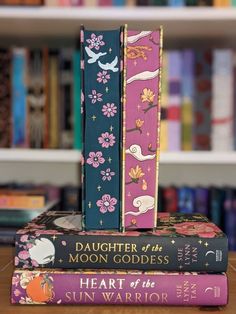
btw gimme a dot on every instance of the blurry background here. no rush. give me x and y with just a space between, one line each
40 136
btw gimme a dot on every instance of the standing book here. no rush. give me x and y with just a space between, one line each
183 242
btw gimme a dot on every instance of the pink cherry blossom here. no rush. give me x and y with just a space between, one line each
29 245
24 238
17 292
106 139
15 280
23 255
16 261
95 159
109 110
107 174
95 96
106 203
95 41
103 77
34 263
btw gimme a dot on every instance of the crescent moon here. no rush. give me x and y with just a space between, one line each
209 252
208 289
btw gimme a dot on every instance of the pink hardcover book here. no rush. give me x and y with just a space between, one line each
141 124
118 287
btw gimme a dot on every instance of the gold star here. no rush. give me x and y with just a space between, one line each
200 241
60 260
138 107
107 89
99 188
101 222
129 194
206 244
109 160
89 204
110 50
54 237
111 128
94 118
135 62
173 241
148 134
180 266
206 264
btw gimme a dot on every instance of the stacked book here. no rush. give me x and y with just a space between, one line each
118 250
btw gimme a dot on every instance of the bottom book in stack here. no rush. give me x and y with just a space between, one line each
60 264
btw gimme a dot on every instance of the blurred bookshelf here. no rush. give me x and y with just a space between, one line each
23 25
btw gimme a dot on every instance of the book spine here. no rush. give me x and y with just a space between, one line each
48 287
19 111
230 217
203 100
118 2
164 104
201 200
17 218
102 128
222 104
53 100
187 99
176 3
105 3
234 3
22 202
191 3
186 200
174 105
217 197
66 98
36 99
204 3
46 93
5 99
170 199
149 252
76 100
222 3
141 128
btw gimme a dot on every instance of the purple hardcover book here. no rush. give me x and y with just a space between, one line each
201 200
173 113
118 287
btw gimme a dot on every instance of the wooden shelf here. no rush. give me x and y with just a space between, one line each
181 22
74 156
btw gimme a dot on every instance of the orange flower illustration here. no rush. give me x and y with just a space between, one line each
139 123
147 95
135 174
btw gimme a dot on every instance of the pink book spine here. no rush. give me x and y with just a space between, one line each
105 3
141 126
150 288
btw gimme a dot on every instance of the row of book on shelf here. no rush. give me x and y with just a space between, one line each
41 99
107 3
104 256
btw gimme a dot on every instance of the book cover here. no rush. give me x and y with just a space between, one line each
118 2
187 92
180 242
118 287
204 3
186 200
71 198
191 2
203 100
105 2
77 100
54 123
101 107
141 128
201 200
175 99
66 97
22 201
222 103
164 103
37 99
156 2
19 96
5 98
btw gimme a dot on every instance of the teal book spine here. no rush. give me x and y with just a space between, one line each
76 100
